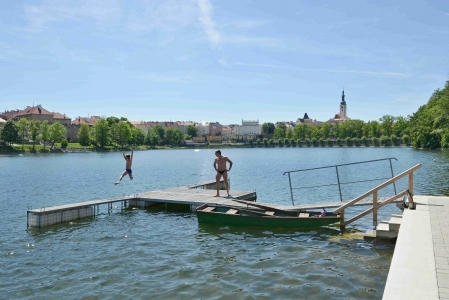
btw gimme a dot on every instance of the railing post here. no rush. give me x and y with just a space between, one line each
392 175
342 220
291 192
339 187
375 208
411 204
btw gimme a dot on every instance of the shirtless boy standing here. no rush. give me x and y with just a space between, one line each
129 162
220 167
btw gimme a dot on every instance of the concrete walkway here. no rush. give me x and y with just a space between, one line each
420 265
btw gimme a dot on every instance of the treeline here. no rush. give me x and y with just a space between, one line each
428 128
111 131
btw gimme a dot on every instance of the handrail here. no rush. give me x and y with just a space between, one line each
379 187
333 166
338 176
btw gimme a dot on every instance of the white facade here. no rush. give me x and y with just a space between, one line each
203 128
343 114
248 128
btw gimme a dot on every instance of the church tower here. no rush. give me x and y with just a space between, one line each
343 115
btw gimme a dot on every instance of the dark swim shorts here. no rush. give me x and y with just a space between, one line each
129 171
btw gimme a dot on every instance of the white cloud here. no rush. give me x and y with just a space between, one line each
206 12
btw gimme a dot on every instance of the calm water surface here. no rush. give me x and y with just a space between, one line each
155 254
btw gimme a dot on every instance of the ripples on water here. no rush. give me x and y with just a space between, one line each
159 255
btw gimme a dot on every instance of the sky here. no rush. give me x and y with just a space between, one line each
222 61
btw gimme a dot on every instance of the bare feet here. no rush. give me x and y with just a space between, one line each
217 196
117 182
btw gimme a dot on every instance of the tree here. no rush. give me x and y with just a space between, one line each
101 132
265 142
400 126
268 128
160 132
137 136
121 133
387 122
57 133
192 130
23 126
174 136
152 138
10 133
301 131
45 132
279 133
34 130
112 120
84 134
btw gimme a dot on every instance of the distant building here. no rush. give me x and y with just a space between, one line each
248 129
343 115
215 129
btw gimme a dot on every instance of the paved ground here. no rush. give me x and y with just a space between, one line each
420 265
439 223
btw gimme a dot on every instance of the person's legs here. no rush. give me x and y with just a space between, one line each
130 174
225 178
121 176
217 178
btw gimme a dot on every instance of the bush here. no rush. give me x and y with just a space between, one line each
355 142
271 142
394 140
293 142
329 142
298 143
265 142
348 141
364 141
406 139
322 142
307 142
64 144
280 142
258 142
384 140
338 142
314 142
286 142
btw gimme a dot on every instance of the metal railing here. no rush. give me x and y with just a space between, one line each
339 183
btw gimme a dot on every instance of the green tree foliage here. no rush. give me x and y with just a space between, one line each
45 132
289 133
137 136
192 130
387 123
10 132
121 133
101 133
112 120
258 142
364 141
406 139
329 142
64 144
281 142
429 125
271 142
301 131
401 126
268 128
174 136
279 133
287 142
292 142
34 130
152 138
265 142
84 134
160 132
57 133
23 125
250 142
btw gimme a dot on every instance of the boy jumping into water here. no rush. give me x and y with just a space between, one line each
129 162
220 167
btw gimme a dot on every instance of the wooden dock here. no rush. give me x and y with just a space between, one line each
189 197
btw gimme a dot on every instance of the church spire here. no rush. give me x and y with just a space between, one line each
343 102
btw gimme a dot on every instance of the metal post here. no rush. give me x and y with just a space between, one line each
394 183
339 187
291 192
375 209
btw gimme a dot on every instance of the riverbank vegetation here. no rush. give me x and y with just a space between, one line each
427 128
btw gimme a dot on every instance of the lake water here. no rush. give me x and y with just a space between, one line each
155 254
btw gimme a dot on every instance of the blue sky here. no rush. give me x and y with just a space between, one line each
209 60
